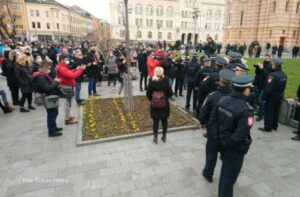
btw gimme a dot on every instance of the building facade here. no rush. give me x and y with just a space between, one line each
273 21
13 14
49 20
169 20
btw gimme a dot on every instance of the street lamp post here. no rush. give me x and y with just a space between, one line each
195 17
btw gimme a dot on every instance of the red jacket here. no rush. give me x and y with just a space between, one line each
66 75
152 64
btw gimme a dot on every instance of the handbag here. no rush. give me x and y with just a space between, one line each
51 101
67 91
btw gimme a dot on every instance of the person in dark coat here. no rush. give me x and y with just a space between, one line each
44 84
258 51
274 50
142 63
22 73
297 117
280 51
210 48
8 68
158 83
268 47
179 78
295 51
92 72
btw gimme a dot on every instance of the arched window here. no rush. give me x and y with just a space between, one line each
159 35
287 6
121 8
139 34
170 11
149 10
240 34
209 14
218 14
274 6
298 7
270 34
216 37
159 11
138 9
169 36
149 35
122 34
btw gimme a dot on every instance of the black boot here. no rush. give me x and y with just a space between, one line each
155 138
5 109
23 110
164 136
31 107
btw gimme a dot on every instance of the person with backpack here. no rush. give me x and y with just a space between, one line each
44 84
158 92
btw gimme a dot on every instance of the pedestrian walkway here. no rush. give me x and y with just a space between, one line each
34 165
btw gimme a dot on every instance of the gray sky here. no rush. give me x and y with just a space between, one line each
99 8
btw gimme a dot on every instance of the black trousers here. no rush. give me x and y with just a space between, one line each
51 120
164 123
271 116
26 96
191 90
145 78
232 162
112 78
14 90
179 84
211 151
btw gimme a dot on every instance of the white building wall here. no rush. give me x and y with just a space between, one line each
182 25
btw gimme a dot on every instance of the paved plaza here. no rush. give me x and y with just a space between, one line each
33 165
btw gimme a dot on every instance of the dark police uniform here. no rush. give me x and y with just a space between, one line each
231 121
273 95
205 112
234 58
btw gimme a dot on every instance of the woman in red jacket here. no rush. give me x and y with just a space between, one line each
68 82
153 62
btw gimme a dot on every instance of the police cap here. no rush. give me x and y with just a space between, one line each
226 75
206 58
277 62
194 54
234 55
220 61
242 67
243 81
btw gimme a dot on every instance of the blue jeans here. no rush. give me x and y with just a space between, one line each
261 104
77 91
51 120
92 85
3 95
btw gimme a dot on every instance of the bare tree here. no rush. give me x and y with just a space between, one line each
8 24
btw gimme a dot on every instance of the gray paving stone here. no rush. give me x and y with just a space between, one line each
62 190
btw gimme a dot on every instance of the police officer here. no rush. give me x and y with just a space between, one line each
234 58
230 124
211 101
191 70
240 69
273 95
205 81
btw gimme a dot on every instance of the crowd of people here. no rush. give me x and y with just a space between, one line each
219 91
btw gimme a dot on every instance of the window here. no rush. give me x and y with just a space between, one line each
182 13
216 37
294 34
149 10
149 35
169 36
229 19
298 6
151 23
209 14
37 13
47 14
122 34
270 34
240 34
57 26
287 6
159 11
38 25
48 25
120 7
218 14
242 18
31 12
120 21
274 6
170 11
159 35
138 9
139 34
57 15
139 22
33 25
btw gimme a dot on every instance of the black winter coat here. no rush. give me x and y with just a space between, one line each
297 115
22 73
142 62
160 85
9 68
261 75
168 66
93 70
45 85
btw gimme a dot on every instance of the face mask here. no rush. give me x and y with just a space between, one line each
67 62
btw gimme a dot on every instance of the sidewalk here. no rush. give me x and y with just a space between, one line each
34 165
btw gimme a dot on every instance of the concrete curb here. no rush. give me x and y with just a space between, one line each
129 136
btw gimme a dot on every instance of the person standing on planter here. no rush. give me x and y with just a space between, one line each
44 84
93 71
158 92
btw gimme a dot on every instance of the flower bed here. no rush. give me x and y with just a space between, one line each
104 118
